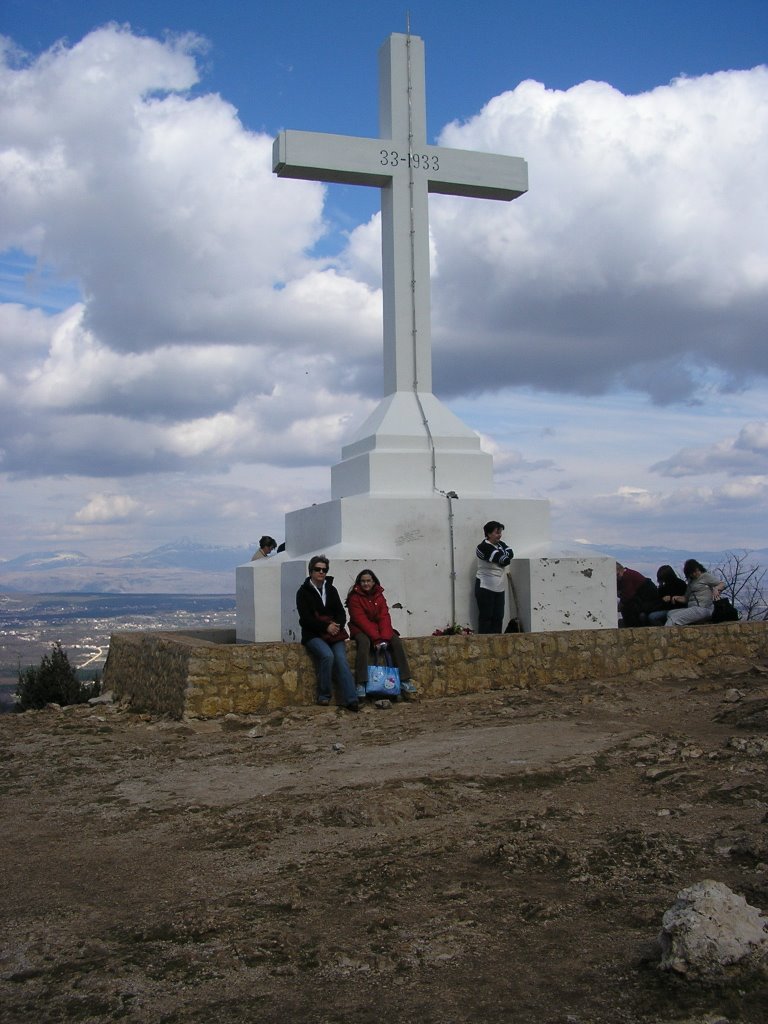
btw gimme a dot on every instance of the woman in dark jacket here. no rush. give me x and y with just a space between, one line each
670 585
322 619
371 628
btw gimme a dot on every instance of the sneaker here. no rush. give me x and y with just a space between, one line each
323 701
360 691
407 686
354 706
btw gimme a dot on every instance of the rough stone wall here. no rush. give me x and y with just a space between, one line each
181 674
151 669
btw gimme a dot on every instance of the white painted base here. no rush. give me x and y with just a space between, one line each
413 546
393 451
559 593
257 600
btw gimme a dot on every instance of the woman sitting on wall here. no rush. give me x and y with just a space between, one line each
702 591
371 628
322 619
637 596
669 585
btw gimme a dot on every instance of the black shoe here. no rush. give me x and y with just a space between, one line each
354 706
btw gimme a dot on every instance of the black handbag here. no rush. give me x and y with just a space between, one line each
723 611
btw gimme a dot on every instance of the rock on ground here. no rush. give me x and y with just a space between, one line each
708 928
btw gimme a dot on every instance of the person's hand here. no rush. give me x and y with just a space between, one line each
381 645
333 628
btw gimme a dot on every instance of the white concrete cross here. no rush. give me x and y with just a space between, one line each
406 169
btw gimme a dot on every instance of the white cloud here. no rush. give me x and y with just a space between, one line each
162 206
635 253
747 453
108 508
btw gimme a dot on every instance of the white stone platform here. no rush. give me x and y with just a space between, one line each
414 545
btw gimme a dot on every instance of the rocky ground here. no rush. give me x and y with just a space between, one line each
506 856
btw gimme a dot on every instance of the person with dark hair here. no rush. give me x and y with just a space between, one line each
266 546
322 619
493 557
669 585
371 628
703 589
637 596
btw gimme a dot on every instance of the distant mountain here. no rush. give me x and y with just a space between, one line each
187 554
43 560
181 567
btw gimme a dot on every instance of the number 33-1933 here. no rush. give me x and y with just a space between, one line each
425 162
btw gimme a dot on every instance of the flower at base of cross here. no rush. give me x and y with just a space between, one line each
454 630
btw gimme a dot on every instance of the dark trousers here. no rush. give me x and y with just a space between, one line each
490 608
363 658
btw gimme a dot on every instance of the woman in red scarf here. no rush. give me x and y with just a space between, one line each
371 628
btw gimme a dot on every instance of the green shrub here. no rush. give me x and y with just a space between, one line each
54 681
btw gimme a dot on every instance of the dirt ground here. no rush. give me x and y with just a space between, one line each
505 856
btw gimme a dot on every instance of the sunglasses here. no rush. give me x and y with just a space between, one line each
319 569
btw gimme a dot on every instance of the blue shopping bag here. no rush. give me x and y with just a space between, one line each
383 681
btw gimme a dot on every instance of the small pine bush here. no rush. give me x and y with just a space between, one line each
54 681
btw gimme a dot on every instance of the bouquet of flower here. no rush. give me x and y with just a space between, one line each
454 630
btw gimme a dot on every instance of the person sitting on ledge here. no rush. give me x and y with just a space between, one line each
371 628
322 619
637 596
670 585
702 591
266 546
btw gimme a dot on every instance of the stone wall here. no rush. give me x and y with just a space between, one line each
206 674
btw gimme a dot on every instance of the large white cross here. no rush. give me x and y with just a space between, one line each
406 169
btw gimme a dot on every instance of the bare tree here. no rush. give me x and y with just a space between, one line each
746 584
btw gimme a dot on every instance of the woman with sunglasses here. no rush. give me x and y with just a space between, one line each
371 628
322 619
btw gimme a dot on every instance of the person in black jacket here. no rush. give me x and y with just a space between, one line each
322 619
670 585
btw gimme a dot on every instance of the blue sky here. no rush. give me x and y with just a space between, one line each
186 339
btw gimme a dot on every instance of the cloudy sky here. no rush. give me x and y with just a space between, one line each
185 339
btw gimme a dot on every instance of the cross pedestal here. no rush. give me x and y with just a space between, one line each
412 444
390 508
414 545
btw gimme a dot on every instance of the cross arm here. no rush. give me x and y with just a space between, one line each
480 175
315 156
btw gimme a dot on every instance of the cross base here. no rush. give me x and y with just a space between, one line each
412 444
411 545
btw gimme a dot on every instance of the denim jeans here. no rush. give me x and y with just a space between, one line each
328 657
